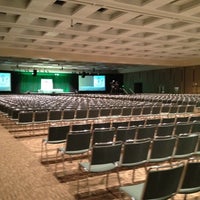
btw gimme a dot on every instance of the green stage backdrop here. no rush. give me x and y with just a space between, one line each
30 83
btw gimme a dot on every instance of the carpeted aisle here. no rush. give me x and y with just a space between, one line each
23 177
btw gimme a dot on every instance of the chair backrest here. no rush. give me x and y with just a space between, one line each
68 114
191 180
135 152
15 113
124 133
182 119
168 120
78 141
118 124
105 112
101 135
163 182
93 113
137 110
106 153
146 110
137 122
198 147
190 108
162 149
186 146
182 108
165 109
81 113
101 125
25 117
173 109
41 116
126 111
182 127
81 127
58 133
194 118
146 131
116 111
55 115
195 127
156 110
165 129
153 121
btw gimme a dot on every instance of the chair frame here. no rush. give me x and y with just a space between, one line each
135 154
56 135
163 182
102 135
191 182
105 158
77 143
185 146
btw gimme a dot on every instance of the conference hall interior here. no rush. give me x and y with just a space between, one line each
99 99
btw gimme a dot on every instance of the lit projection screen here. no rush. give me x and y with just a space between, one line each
92 83
46 85
5 82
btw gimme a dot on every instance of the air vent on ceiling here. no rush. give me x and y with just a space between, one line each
101 10
59 2
172 2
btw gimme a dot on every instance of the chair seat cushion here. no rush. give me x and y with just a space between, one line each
62 150
159 159
133 164
45 140
134 191
76 152
189 190
97 168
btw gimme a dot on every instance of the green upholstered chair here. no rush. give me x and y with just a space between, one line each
191 181
161 183
105 158
135 154
77 143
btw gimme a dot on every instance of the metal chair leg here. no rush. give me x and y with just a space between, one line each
56 160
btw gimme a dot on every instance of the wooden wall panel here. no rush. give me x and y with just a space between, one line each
186 78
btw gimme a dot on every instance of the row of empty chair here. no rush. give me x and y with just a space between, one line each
113 111
148 140
26 102
130 154
61 134
37 109
85 114
142 131
178 99
32 119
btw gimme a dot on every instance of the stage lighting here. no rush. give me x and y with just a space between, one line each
34 72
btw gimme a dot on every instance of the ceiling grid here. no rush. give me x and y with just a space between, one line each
121 35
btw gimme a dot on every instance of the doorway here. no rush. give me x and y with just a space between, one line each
138 87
